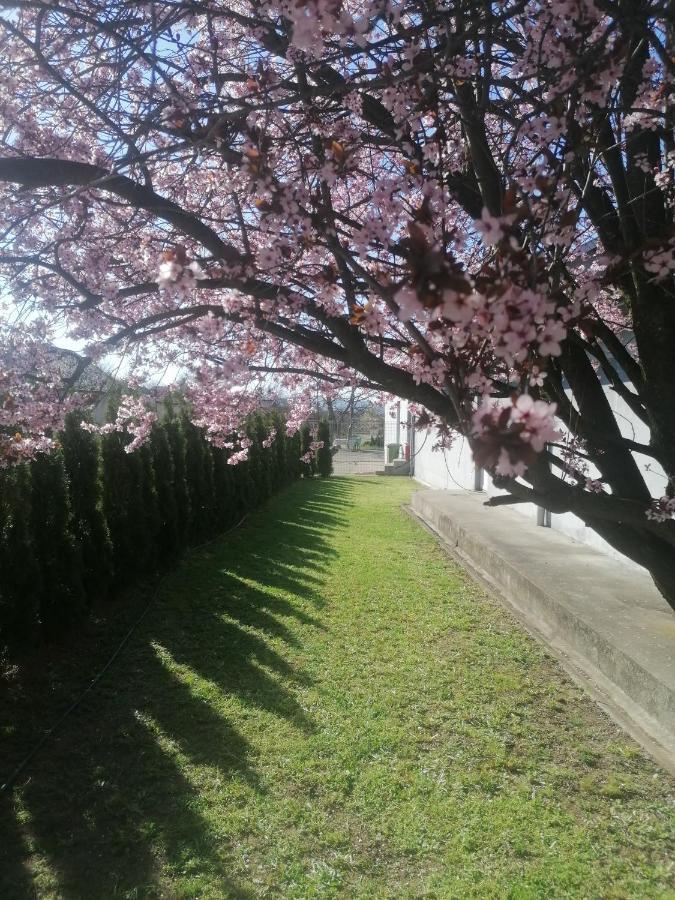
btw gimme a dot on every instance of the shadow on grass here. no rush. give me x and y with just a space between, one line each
110 807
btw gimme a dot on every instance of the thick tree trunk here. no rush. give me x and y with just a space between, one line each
643 548
654 322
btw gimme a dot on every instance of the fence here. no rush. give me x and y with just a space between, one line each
356 439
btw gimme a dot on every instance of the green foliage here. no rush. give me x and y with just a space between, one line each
224 489
178 447
91 519
308 468
166 489
280 454
61 597
294 466
123 508
82 459
20 574
199 474
259 461
150 507
324 458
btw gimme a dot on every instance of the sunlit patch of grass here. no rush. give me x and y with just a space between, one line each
322 704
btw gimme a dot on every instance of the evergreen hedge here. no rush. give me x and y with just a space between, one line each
307 468
90 519
324 457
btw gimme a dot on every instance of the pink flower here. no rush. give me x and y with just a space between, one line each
507 439
549 338
491 227
536 379
506 466
458 307
132 417
661 510
238 457
408 303
269 440
536 419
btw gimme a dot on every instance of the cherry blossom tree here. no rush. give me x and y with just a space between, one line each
466 203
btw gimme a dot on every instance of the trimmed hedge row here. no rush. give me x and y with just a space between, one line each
324 457
80 524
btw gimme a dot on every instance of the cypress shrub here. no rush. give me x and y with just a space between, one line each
116 491
166 486
199 476
223 489
61 594
293 453
20 574
259 461
151 514
268 454
244 488
324 459
176 437
252 470
308 468
263 427
82 459
280 467
124 508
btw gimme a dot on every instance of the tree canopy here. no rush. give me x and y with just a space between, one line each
467 204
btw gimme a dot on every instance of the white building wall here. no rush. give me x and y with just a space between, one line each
454 470
396 428
447 469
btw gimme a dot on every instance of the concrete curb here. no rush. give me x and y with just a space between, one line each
605 622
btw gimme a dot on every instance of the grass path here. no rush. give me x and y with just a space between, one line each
323 705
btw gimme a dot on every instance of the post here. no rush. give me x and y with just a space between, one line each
478 478
398 423
544 515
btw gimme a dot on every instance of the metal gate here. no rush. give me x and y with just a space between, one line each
356 425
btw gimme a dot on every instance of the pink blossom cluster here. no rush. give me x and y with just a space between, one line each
32 402
178 275
519 320
269 440
133 417
318 18
507 438
239 456
310 455
660 262
661 510
238 445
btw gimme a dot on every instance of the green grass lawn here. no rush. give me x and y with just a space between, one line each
322 704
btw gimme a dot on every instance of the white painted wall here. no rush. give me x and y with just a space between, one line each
450 469
454 470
